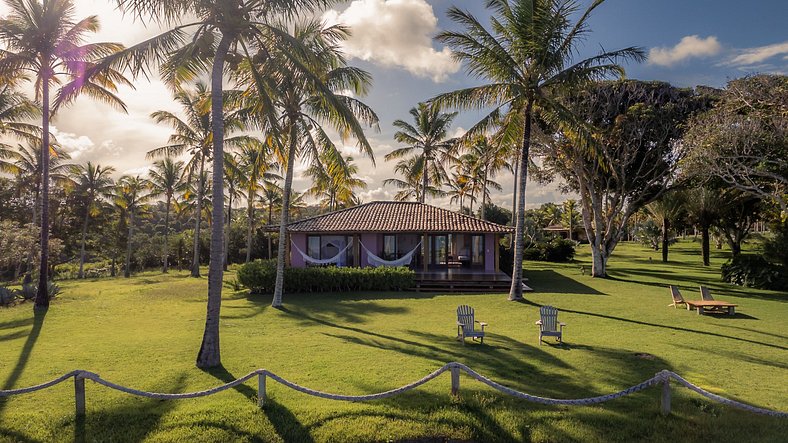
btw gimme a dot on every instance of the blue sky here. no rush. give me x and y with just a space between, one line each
689 42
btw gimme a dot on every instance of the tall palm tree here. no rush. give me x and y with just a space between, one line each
334 181
429 139
256 163
666 210
131 195
45 39
244 32
702 206
193 136
15 110
166 179
486 159
411 185
27 166
95 183
308 91
460 187
570 217
527 58
233 177
272 198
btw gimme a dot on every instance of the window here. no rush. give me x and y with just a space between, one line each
477 250
323 247
313 246
389 247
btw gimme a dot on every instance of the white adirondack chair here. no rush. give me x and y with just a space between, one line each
466 325
549 326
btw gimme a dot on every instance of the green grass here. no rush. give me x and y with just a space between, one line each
144 333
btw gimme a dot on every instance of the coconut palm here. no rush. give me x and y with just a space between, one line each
428 138
666 210
272 198
309 92
460 184
233 178
15 109
27 167
46 40
256 164
335 182
411 185
94 183
702 206
570 217
130 195
166 179
189 49
485 159
527 59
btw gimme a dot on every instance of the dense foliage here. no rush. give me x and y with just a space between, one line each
754 271
557 250
260 276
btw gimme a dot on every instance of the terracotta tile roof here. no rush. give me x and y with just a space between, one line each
389 216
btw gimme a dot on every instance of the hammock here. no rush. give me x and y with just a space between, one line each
376 261
333 260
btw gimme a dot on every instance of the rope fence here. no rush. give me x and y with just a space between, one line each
662 378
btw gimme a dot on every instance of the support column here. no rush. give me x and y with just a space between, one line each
497 240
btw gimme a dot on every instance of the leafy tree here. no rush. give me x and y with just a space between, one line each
45 39
527 57
131 195
427 142
334 179
411 185
666 210
702 205
255 160
485 159
737 214
94 183
166 179
570 217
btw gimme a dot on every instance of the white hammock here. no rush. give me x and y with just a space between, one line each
376 261
333 260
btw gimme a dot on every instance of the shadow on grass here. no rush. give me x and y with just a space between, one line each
16 323
284 422
550 281
24 354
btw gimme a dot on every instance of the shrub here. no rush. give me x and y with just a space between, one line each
558 250
7 296
67 271
260 276
754 271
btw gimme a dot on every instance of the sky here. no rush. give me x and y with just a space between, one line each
689 43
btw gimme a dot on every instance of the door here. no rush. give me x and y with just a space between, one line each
440 250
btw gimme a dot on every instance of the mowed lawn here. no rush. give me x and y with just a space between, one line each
144 333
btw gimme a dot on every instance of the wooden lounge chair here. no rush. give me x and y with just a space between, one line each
705 294
549 325
466 325
677 298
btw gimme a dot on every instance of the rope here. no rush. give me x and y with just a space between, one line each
660 377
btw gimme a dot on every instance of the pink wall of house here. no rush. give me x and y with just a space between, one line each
371 241
296 260
489 252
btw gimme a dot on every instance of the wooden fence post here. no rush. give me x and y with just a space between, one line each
261 395
455 380
79 394
665 402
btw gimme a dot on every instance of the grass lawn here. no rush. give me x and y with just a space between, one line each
144 333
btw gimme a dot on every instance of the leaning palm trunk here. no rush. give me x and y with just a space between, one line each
285 219
209 355
42 295
516 291
196 246
81 273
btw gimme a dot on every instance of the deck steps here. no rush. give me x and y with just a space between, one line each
465 286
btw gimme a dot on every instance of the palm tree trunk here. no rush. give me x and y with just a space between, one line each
705 244
209 355
81 273
484 196
166 258
270 234
249 226
127 270
227 230
516 184
516 291
665 227
196 246
42 295
424 178
285 219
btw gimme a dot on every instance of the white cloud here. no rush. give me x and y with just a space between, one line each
395 33
757 55
75 145
690 46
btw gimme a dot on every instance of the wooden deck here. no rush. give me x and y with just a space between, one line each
463 280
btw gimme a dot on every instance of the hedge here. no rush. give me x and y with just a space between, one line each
557 250
259 276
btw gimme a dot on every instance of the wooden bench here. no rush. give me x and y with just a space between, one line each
711 305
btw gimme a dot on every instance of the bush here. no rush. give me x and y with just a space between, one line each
7 296
559 250
754 271
260 276
68 271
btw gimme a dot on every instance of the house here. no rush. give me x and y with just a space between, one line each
442 246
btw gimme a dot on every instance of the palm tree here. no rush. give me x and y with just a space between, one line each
233 177
429 139
193 135
665 210
272 197
131 195
46 40
27 167
702 206
15 109
411 185
308 91
570 217
460 186
527 58
166 179
94 183
255 162
486 160
334 180
244 32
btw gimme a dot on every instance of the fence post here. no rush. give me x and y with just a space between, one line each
261 395
79 394
665 402
455 380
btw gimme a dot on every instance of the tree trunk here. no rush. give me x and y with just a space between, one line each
127 270
482 210
705 244
424 178
227 230
516 291
209 355
249 226
196 246
665 228
42 295
270 234
81 273
166 258
516 184
285 219
113 268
